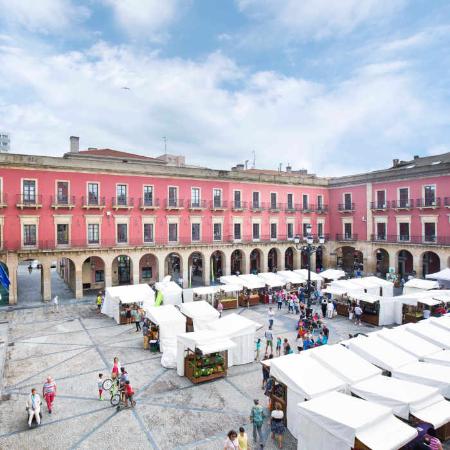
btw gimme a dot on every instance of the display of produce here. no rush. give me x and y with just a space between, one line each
200 368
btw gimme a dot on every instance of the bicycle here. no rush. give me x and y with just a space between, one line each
113 387
121 404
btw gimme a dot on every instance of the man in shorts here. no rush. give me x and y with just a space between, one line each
269 340
358 314
129 393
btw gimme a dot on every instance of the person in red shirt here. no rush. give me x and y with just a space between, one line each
129 394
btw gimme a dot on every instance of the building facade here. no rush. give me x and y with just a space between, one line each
107 218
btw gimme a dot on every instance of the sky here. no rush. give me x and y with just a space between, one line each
335 87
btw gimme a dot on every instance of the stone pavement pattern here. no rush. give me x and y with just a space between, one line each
75 344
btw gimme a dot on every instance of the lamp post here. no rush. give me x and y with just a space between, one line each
307 247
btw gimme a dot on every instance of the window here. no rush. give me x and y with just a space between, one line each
147 272
29 191
237 231
381 199
93 194
121 192
122 233
217 230
255 231
347 231
305 229
62 234
273 200
173 196
320 202
429 229
29 234
305 201
290 201
148 195
195 232
381 231
62 192
217 198
348 201
237 199
195 198
320 229
403 228
99 276
173 232
403 197
273 231
430 195
290 231
93 233
148 232
255 199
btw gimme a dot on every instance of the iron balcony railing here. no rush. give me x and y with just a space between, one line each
447 202
218 204
307 208
174 203
29 201
93 201
346 237
407 239
198 204
256 206
380 205
402 204
346 207
428 203
239 205
275 207
322 209
149 203
65 201
122 202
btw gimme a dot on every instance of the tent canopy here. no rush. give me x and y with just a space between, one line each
304 273
379 281
417 283
442 322
234 325
230 287
171 292
201 313
441 358
205 290
291 277
443 275
368 298
232 279
251 281
334 421
432 333
272 279
332 274
334 290
344 363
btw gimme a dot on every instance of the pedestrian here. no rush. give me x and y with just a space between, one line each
290 306
269 340
123 378
323 305
136 318
330 309
285 346
220 309
299 342
99 302
128 315
265 374
278 348
128 393
279 300
257 419
271 315
49 393
115 369
296 305
277 424
257 349
145 333
55 304
34 407
242 439
325 331
358 314
231 443
100 386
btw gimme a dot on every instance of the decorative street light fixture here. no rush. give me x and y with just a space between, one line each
308 248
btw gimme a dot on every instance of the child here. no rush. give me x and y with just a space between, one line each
115 369
278 349
220 309
258 349
242 439
100 386
129 394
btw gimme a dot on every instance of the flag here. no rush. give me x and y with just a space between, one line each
159 298
4 280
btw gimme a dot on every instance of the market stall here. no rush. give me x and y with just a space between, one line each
203 355
442 322
347 365
342 422
206 293
228 295
167 322
408 401
414 307
171 292
442 277
272 280
441 358
436 335
369 286
198 315
377 310
253 286
242 332
293 280
316 279
418 285
386 287
119 298
298 378
339 296
332 274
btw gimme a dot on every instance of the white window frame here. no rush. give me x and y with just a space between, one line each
121 220
36 190
62 219
29 220
99 192
398 196
178 196
68 190
94 220
376 197
146 221
153 195
221 197
343 199
403 219
435 193
240 221
276 200
293 200
259 200
429 219
199 196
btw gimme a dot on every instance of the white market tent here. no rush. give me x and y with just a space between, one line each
252 281
426 330
348 285
387 287
207 341
381 353
442 322
272 280
386 312
142 294
441 358
405 398
412 299
201 313
242 332
335 420
291 277
171 292
229 287
334 290
169 320
332 274
205 290
417 284
231 279
344 363
305 378
443 277
304 273
369 286
426 373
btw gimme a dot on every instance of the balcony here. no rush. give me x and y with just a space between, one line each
122 203
3 200
307 209
63 202
290 208
407 239
148 203
93 202
239 206
216 205
425 203
447 202
404 204
174 204
29 201
346 207
275 207
379 206
197 205
346 237
322 209
256 206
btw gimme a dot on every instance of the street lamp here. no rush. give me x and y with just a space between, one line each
307 247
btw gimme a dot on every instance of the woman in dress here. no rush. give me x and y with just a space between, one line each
231 443
277 424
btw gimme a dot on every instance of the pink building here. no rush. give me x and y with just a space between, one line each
107 217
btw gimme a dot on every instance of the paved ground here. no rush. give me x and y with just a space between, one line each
75 344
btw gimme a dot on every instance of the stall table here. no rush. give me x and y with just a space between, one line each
199 368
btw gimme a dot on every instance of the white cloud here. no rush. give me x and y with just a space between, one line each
45 16
316 19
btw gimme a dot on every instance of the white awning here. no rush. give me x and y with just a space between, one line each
252 282
332 274
441 358
304 273
363 297
205 290
437 414
219 346
291 277
333 290
426 330
230 287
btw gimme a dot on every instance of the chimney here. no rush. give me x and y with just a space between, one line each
416 156
288 169
74 144
394 162
239 166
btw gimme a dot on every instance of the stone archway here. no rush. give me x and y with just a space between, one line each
405 263
273 260
255 261
122 270
349 259
382 264
196 265
289 258
237 262
217 265
93 273
148 268
173 266
431 263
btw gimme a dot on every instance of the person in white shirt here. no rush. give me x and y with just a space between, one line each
330 310
358 314
34 407
271 315
426 313
55 304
